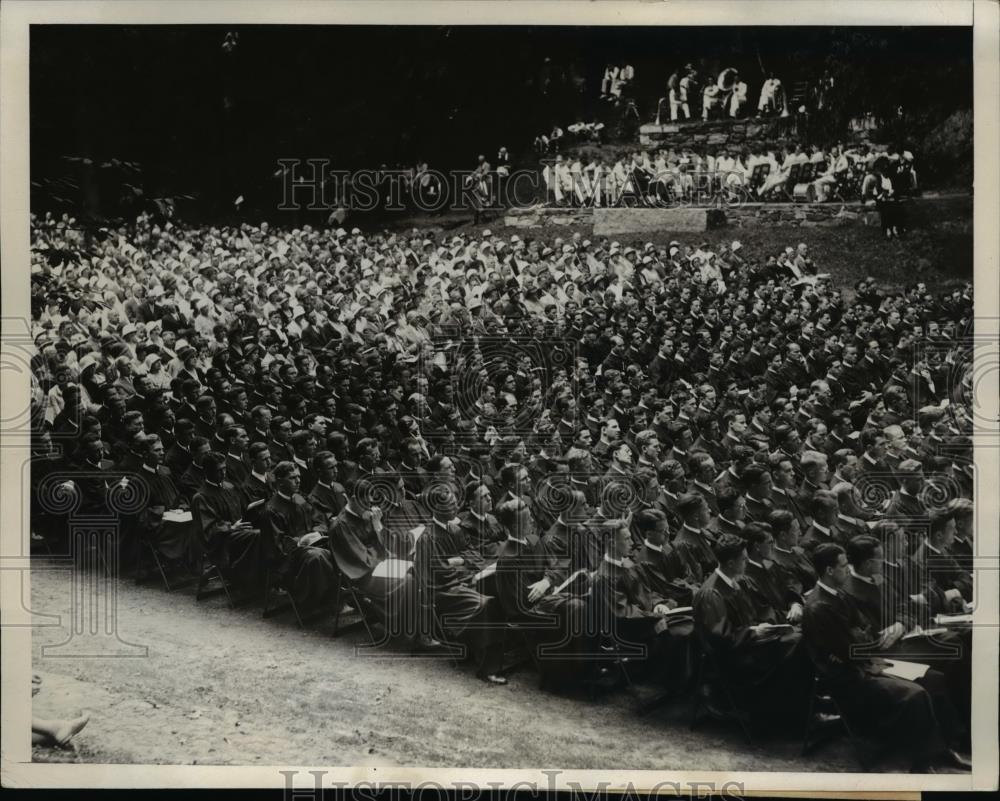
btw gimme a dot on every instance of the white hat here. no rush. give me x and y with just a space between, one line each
487 233
128 328
736 245
567 249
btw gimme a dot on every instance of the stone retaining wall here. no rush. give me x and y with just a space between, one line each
951 211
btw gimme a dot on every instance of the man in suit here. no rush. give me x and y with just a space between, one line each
872 700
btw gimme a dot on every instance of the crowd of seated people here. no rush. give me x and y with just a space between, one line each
683 452
666 176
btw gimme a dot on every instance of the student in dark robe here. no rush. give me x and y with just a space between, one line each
664 572
565 534
297 548
872 700
759 661
933 558
483 532
694 543
191 480
448 586
624 608
357 541
259 484
236 443
327 495
774 601
229 532
791 562
890 613
174 540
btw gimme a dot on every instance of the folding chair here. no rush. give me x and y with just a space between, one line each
709 675
759 175
161 564
270 587
866 755
361 605
788 187
209 571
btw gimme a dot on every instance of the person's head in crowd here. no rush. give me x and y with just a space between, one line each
287 478
214 465
281 429
303 444
652 526
516 518
962 510
702 467
756 482
814 467
200 448
324 465
941 529
831 566
259 455
732 506
731 552
785 528
824 508
759 542
478 498
866 556
694 510
183 432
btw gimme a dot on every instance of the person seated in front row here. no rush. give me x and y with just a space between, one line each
449 590
873 701
297 548
637 619
358 545
760 661
893 615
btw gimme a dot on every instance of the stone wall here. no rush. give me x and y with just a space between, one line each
610 222
944 211
715 133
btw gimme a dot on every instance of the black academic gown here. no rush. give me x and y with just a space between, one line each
307 571
215 509
876 704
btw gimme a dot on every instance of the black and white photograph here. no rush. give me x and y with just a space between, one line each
583 390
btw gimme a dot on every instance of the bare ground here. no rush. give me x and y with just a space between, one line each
223 687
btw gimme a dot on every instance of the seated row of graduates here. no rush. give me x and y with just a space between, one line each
594 577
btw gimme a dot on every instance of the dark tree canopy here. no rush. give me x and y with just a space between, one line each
211 123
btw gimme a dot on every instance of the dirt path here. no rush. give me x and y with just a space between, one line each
221 686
